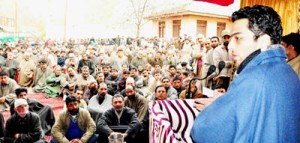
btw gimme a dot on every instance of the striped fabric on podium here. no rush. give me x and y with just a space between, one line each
171 121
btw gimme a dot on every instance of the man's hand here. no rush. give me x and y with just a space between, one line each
2 99
125 135
17 136
202 103
76 141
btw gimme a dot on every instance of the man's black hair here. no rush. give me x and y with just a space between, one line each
20 89
172 66
116 96
159 87
215 37
3 73
292 39
262 20
71 98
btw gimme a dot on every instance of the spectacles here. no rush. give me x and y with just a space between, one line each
22 94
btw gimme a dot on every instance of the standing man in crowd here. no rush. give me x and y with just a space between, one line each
262 102
222 53
74 124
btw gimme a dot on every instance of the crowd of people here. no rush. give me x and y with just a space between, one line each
105 85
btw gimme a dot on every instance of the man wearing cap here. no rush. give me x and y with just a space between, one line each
45 112
222 53
7 90
74 124
24 126
40 76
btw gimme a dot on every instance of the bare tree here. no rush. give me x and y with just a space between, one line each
140 9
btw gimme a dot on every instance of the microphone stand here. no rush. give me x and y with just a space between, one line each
211 70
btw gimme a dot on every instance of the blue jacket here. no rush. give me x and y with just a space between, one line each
261 105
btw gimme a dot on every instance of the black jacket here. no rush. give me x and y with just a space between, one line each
110 118
29 128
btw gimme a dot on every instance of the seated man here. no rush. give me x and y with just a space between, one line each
7 90
79 95
53 83
100 102
118 116
84 78
39 84
74 124
24 126
160 94
195 92
91 90
45 112
136 101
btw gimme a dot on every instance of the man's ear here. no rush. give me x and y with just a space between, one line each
263 42
291 47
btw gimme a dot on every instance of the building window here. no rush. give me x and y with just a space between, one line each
161 29
220 27
176 28
201 27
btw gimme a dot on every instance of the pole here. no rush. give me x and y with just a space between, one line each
65 20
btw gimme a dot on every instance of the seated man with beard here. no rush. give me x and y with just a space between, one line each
23 127
74 124
91 91
84 78
45 112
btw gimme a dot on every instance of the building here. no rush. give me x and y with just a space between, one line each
192 19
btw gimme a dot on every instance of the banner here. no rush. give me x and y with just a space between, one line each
171 120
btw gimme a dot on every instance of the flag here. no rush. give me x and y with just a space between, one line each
218 2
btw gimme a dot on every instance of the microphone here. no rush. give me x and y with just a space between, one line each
221 66
210 71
